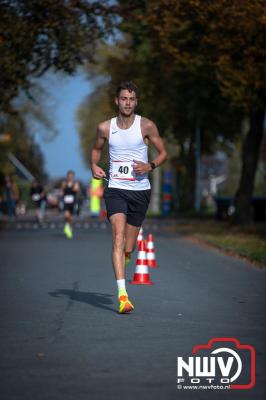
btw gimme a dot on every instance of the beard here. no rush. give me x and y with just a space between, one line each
127 113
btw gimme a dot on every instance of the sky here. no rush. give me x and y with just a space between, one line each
62 153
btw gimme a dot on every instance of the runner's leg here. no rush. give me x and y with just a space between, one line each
118 222
130 241
67 227
38 215
67 216
42 209
137 208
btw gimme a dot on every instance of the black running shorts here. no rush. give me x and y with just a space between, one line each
132 203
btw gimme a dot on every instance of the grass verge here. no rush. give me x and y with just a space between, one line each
248 242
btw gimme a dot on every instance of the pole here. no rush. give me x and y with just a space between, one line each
20 167
197 169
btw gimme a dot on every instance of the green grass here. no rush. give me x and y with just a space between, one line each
248 242
252 248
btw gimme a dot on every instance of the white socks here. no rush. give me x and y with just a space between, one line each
121 286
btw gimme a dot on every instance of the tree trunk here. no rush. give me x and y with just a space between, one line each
187 177
155 203
250 156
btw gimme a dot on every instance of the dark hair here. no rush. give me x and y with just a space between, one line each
130 86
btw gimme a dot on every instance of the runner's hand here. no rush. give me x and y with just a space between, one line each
98 172
141 168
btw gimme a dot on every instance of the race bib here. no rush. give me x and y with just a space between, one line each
123 170
36 197
69 198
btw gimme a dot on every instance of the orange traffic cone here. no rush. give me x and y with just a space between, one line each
141 276
140 236
150 253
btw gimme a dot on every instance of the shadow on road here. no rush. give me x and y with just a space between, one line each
100 300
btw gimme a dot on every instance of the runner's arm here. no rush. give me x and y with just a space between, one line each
77 187
96 152
151 132
155 138
63 186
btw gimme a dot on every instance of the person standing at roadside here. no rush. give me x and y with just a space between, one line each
11 196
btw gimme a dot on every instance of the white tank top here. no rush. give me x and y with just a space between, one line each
126 145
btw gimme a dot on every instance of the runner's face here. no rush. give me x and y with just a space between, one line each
70 177
126 102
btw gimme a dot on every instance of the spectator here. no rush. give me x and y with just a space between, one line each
11 196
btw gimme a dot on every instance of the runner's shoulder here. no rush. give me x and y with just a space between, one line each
147 126
103 128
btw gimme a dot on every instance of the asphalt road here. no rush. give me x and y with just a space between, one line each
62 338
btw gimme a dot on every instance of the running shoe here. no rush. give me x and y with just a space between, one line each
125 305
68 231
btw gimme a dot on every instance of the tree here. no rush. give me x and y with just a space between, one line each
228 38
38 35
27 118
203 65
22 144
220 42
95 108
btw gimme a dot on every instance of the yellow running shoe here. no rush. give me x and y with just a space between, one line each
125 305
68 231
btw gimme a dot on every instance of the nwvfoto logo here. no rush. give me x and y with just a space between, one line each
231 365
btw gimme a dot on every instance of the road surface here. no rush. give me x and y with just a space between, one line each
61 335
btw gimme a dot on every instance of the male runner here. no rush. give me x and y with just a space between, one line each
128 192
69 190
